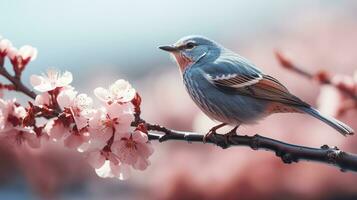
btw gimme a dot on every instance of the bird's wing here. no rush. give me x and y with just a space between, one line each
236 75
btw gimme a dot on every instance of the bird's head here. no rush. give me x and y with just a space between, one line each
193 49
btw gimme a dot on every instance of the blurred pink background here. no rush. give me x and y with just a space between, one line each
314 35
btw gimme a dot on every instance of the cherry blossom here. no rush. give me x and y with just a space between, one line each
79 105
134 149
104 134
5 45
114 120
76 138
20 58
22 135
107 165
10 115
56 129
26 52
112 170
120 92
50 81
43 99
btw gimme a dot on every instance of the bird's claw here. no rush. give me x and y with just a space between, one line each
230 134
211 132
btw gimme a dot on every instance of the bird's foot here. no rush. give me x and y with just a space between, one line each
212 132
208 135
228 136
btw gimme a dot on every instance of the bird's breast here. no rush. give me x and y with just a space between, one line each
182 61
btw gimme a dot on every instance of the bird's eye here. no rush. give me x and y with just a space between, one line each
190 45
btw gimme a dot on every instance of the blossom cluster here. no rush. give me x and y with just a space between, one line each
104 133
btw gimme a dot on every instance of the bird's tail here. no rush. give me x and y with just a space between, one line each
334 123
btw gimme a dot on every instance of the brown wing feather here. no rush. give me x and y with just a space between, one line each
271 89
261 87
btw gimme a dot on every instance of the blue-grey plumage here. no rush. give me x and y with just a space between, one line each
230 89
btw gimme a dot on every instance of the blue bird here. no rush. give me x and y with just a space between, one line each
230 89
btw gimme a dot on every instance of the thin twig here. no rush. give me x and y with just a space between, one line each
16 81
287 64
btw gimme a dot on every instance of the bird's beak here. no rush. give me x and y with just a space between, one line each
169 48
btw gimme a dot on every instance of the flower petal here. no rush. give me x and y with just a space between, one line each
102 94
12 53
5 45
27 52
55 129
42 99
145 150
141 164
66 97
105 170
140 137
65 79
95 159
121 171
74 141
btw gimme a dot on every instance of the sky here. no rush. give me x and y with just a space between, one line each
124 35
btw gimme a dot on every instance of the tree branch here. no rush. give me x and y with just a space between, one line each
289 153
322 77
16 81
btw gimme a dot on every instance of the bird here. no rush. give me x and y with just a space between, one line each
230 89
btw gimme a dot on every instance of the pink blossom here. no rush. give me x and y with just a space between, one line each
5 45
56 130
107 165
133 149
50 81
24 53
79 105
22 135
20 58
10 115
115 119
76 139
96 158
100 129
66 97
120 92
112 170
43 99
70 136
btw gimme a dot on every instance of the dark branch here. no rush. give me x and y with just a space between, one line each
16 81
289 153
